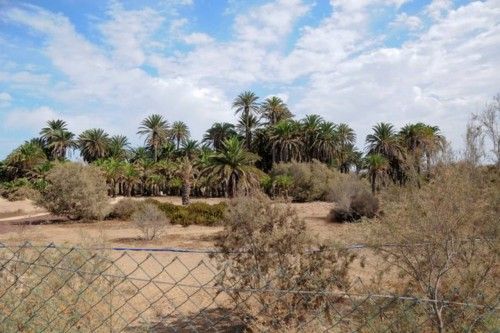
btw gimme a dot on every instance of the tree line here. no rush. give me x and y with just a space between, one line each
231 157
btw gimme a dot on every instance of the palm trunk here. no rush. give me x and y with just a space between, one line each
186 191
374 182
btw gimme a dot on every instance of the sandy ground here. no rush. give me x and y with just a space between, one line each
22 220
19 223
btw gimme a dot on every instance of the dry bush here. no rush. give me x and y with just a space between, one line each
309 181
447 233
124 209
352 198
150 220
75 190
265 246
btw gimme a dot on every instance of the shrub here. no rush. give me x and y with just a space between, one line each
265 246
124 209
150 220
449 232
305 181
19 189
365 204
75 190
199 213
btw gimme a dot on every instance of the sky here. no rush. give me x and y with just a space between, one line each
109 64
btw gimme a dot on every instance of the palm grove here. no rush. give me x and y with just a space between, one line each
231 157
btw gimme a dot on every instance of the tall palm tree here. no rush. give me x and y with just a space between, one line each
218 133
179 133
286 141
433 142
310 129
234 166
186 171
247 125
326 144
377 164
246 104
156 130
93 144
57 138
119 147
384 140
275 110
346 138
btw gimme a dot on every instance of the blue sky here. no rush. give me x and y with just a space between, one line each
109 64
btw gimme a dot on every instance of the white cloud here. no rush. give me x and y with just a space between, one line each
439 8
29 119
198 38
407 21
337 67
5 99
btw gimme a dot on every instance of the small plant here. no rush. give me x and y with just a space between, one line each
150 221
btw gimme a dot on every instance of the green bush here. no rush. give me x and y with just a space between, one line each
304 181
198 213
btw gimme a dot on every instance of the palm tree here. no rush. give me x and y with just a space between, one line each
246 104
156 130
131 177
326 144
433 142
190 149
113 171
377 164
384 141
119 147
346 138
218 133
179 133
234 166
247 124
93 144
387 142
25 158
186 171
275 110
310 128
286 141
57 138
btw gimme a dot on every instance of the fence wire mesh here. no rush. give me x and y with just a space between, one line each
68 289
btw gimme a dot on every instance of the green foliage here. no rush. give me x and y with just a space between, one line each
75 190
198 213
19 189
305 181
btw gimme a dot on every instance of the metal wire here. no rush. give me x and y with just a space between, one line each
47 288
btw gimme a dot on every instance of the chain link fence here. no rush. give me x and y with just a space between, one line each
68 289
